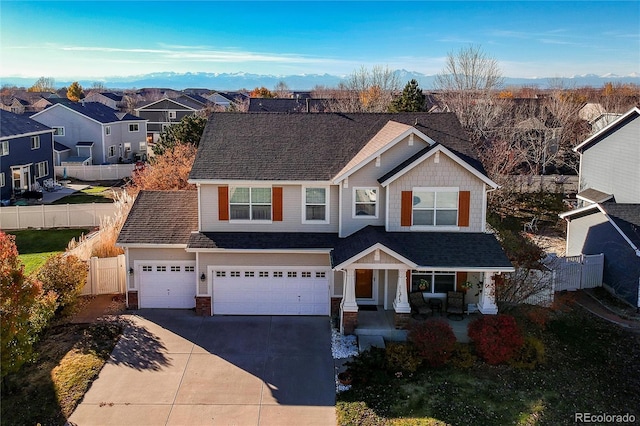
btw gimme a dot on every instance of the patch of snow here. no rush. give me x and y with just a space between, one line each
343 346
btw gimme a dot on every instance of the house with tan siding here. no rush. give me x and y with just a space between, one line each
318 214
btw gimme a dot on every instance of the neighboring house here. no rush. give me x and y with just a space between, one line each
23 101
163 113
112 100
312 214
288 105
26 154
94 133
226 99
608 220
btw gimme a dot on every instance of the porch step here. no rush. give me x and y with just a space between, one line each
365 342
388 334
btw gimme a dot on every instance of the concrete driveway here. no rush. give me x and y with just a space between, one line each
173 368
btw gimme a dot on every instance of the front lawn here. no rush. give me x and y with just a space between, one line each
35 246
46 392
591 366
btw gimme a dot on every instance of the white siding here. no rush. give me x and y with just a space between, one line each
578 229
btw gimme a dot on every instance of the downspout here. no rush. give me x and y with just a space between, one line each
484 206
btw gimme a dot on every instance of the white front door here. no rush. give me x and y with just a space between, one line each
269 291
167 284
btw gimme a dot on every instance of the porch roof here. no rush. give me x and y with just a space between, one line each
432 250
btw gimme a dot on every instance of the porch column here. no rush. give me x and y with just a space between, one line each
487 301
348 306
401 302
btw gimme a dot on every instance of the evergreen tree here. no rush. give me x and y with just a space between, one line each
74 92
187 131
411 100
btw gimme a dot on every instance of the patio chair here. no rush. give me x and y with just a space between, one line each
455 304
532 225
418 305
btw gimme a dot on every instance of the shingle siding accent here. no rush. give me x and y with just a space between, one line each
446 173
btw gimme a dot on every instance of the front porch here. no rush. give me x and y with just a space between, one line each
381 322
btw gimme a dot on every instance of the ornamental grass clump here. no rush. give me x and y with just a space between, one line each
496 338
434 340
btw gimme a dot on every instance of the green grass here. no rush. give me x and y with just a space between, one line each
46 392
35 246
591 367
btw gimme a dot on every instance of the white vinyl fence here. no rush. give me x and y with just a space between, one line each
106 276
577 272
54 216
96 173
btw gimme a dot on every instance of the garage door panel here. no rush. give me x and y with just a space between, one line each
162 287
286 292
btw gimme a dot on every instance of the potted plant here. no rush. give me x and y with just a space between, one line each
423 284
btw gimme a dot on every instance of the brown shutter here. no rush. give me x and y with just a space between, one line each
461 278
223 203
409 281
277 203
464 202
406 208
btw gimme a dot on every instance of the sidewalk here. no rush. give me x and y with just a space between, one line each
596 307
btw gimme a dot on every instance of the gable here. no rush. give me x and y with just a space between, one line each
165 104
624 120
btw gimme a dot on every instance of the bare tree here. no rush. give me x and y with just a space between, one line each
43 84
468 84
365 91
98 86
281 90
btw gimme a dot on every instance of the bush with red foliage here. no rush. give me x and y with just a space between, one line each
434 340
496 338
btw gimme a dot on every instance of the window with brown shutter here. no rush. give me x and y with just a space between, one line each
277 203
464 203
223 203
406 207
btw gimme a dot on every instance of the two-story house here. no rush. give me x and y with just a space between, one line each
312 214
94 133
608 220
110 99
167 111
26 154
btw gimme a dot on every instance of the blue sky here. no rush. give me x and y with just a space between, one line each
103 38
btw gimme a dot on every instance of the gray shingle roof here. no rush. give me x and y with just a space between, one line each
594 196
16 124
287 105
263 240
161 217
627 218
429 249
97 111
272 146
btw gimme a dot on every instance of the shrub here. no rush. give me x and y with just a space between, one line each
369 366
42 311
402 357
65 276
461 357
495 337
434 340
530 355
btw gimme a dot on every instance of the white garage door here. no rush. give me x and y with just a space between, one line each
260 291
167 284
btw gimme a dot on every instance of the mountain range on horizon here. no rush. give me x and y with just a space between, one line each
242 80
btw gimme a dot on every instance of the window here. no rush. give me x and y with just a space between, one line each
365 202
189 268
263 274
315 207
220 274
175 269
277 274
433 281
235 274
292 274
35 142
249 274
2 181
42 169
107 130
250 203
112 151
321 274
305 274
147 269
172 115
143 147
4 148
435 207
161 269
58 130
134 127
